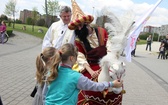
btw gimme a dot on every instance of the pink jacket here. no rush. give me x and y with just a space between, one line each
2 28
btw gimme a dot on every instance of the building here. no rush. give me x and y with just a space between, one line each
149 29
162 31
27 13
24 15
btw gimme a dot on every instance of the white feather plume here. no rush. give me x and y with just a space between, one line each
118 29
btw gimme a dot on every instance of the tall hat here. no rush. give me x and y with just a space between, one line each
78 16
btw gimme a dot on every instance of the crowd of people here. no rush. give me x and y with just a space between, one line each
163 48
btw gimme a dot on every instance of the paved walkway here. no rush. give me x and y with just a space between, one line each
146 81
17 72
17 68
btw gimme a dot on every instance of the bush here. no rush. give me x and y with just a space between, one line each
9 32
40 22
18 21
145 35
3 17
29 21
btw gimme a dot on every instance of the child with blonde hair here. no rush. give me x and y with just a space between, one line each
63 83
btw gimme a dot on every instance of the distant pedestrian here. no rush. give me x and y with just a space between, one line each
149 41
2 31
161 51
133 51
165 41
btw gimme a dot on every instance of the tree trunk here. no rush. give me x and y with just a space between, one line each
33 28
13 20
46 10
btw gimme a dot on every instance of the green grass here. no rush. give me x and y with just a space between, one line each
141 42
19 27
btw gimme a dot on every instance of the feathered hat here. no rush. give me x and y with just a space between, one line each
78 17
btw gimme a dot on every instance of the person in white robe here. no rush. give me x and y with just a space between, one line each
58 33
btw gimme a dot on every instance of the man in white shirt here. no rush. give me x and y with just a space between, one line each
58 33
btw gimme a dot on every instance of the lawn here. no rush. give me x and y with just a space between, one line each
141 42
19 27
28 30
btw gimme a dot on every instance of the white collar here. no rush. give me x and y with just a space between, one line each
62 23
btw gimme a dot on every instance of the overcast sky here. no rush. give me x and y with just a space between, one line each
139 7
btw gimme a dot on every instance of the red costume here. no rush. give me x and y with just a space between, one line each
92 57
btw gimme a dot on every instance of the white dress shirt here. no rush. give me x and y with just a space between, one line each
57 35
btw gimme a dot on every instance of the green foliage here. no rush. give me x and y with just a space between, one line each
3 17
18 21
9 32
155 37
40 22
145 35
34 15
19 27
10 9
53 7
29 21
141 42
9 23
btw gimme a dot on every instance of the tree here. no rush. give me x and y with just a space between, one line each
34 17
18 21
29 21
10 9
51 8
40 22
46 11
3 17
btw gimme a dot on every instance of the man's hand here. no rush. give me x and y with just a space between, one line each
94 74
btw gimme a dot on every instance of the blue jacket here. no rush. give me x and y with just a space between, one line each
63 90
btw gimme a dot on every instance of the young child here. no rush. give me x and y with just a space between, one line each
161 51
64 83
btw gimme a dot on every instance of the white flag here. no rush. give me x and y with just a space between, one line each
137 26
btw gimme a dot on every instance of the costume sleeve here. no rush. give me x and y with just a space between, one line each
81 60
86 84
47 39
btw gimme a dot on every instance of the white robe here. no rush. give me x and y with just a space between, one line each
57 35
